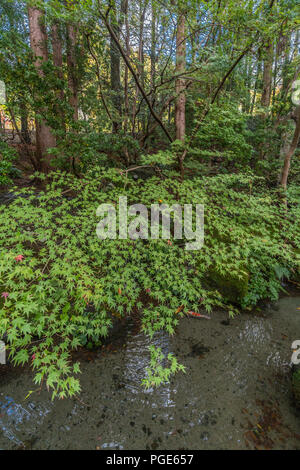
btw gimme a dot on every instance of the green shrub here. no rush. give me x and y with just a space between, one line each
86 148
223 137
7 156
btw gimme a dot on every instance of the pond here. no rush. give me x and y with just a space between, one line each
235 394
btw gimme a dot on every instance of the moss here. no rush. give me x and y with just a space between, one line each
233 286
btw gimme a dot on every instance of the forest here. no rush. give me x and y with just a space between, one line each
164 102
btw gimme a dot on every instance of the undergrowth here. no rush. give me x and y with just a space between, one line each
60 285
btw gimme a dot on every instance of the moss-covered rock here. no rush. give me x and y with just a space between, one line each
233 286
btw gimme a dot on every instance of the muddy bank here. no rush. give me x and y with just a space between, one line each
236 393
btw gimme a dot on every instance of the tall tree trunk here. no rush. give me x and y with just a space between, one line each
38 41
255 86
153 50
267 77
127 51
291 149
275 74
143 8
24 123
180 83
72 68
180 86
286 61
57 49
248 81
58 63
115 78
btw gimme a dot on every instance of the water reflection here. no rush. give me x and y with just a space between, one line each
13 414
237 376
256 332
137 359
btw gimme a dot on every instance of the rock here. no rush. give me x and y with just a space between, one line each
233 286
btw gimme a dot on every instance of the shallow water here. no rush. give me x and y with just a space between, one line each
236 393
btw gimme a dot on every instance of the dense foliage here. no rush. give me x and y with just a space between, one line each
7 170
62 286
175 102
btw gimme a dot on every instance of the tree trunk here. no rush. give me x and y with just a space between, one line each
153 50
72 69
291 150
57 49
58 63
38 41
24 123
180 83
127 50
286 61
141 75
115 78
255 86
275 74
267 77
